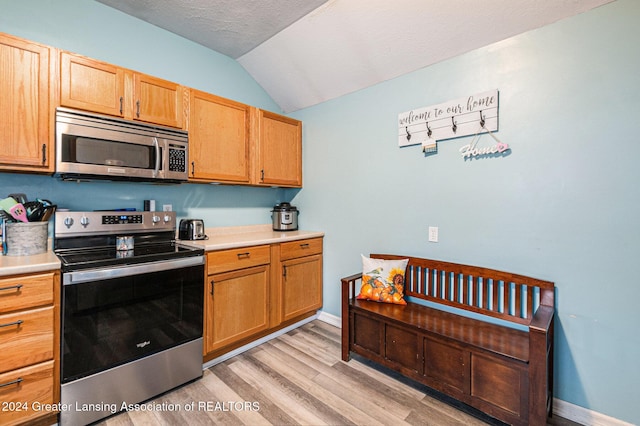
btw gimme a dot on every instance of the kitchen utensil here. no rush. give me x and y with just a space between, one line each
285 217
17 210
191 229
35 210
19 197
48 212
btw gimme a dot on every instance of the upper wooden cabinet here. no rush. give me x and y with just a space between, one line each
100 87
219 139
26 120
91 85
279 150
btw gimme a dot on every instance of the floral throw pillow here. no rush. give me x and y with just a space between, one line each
383 280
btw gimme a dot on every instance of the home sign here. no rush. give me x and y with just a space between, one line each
471 115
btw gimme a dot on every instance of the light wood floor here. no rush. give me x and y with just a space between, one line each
299 379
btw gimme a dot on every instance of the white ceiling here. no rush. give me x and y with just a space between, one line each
304 52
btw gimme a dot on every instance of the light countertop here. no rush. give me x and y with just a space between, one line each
244 236
13 265
219 239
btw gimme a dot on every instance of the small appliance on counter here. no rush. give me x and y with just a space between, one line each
285 217
191 229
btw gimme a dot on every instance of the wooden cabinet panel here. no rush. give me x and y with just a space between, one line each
300 248
245 257
367 333
25 291
279 150
91 85
239 306
444 366
25 127
26 338
401 348
157 101
219 138
499 383
24 387
103 88
301 286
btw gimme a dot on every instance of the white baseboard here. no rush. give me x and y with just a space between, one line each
561 408
330 319
584 416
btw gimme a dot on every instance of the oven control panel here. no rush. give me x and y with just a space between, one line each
111 222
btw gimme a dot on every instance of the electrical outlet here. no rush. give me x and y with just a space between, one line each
167 207
433 234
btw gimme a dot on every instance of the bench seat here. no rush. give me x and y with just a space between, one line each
497 339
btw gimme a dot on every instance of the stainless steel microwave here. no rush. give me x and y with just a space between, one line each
91 146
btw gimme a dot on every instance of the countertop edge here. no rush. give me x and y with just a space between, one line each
221 241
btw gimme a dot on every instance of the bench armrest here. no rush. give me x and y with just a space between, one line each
348 288
542 319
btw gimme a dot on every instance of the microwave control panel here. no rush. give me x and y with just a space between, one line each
177 159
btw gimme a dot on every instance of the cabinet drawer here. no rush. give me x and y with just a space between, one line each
230 260
300 248
24 393
26 291
26 338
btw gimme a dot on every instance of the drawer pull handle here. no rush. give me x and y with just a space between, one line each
14 382
245 255
304 245
17 287
9 324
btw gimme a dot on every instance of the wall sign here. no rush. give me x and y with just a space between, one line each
471 115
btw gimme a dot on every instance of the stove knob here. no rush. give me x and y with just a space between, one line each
84 221
68 221
167 218
155 219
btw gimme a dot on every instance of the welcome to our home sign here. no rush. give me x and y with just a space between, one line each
468 116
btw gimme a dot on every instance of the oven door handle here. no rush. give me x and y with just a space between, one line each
91 275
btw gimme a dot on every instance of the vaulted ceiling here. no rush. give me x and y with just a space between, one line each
304 52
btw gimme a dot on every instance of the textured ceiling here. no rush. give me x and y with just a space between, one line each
304 52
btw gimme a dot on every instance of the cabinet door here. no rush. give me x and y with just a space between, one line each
301 286
218 138
24 106
280 150
238 306
91 85
157 101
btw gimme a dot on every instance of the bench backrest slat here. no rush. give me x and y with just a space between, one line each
485 291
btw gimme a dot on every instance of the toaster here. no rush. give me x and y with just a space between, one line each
191 229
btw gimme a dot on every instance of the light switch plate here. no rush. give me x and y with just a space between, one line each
433 234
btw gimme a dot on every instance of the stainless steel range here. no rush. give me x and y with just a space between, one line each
132 306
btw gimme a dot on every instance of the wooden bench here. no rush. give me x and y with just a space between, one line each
503 371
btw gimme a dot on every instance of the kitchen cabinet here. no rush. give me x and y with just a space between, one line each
301 278
253 291
29 336
26 123
219 139
99 87
279 150
237 302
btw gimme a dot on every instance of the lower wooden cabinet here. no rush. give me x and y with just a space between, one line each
238 307
29 338
253 291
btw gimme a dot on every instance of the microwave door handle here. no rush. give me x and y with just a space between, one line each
157 168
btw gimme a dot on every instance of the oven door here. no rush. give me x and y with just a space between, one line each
112 316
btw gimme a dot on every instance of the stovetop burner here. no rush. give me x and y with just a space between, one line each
85 240
76 259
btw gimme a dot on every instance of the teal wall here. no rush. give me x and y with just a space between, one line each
101 32
562 206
